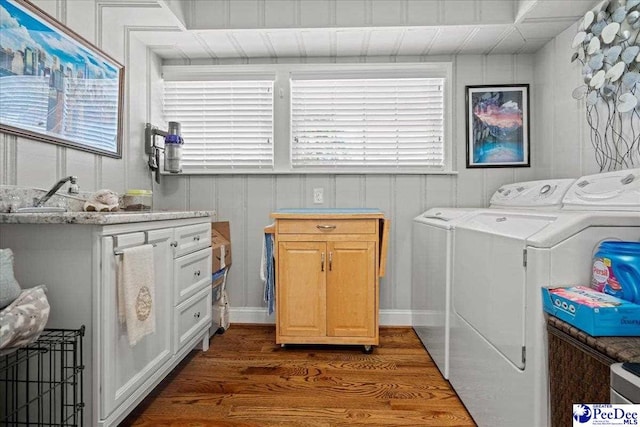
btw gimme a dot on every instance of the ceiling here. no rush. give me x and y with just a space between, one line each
222 29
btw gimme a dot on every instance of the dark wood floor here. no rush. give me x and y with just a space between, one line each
245 379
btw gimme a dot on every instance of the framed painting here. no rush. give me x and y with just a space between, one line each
497 126
55 86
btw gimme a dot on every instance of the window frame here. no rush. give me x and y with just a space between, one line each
282 73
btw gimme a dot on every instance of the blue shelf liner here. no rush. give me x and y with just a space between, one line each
329 211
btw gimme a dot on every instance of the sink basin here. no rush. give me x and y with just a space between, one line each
41 209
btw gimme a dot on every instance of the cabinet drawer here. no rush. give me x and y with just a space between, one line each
191 273
192 317
192 238
327 226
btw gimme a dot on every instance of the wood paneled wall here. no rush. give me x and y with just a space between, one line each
247 200
564 145
559 148
111 25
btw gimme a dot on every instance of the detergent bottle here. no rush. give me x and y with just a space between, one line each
616 270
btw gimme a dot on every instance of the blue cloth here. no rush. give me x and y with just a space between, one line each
269 288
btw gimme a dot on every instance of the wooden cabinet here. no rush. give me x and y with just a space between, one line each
327 274
301 290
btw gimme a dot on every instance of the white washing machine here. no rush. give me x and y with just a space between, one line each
498 354
546 194
432 249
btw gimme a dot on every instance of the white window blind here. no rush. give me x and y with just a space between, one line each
367 123
225 124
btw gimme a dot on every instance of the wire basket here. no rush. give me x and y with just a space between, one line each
41 384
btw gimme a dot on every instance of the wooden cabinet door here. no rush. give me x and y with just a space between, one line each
301 289
351 289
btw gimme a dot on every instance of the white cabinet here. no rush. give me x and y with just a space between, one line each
191 273
192 238
124 368
193 315
78 265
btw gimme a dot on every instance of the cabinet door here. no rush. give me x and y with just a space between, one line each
124 369
351 289
301 289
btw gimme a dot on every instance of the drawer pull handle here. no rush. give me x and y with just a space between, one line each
174 244
322 262
326 227
196 238
196 273
196 315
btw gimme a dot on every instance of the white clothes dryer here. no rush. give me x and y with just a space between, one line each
432 248
432 253
498 363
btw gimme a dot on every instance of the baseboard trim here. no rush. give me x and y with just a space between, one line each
259 315
427 318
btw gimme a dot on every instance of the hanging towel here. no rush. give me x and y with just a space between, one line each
267 271
136 292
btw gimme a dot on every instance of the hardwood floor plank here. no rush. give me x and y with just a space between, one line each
245 379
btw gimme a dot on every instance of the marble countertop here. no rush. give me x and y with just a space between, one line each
97 218
620 349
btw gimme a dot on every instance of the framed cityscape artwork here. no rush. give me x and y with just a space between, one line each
55 86
497 126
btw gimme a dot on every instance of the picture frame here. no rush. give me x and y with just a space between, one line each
55 86
497 119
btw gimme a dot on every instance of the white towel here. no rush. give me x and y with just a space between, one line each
136 292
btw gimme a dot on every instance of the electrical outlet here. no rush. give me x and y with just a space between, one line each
318 196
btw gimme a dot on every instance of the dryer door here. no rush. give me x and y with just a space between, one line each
489 278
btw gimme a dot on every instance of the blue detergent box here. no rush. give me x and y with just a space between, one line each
596 313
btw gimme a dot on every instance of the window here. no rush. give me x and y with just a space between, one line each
373 118
368 123
225 124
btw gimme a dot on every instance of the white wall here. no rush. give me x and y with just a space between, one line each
247 200
111 25
565 147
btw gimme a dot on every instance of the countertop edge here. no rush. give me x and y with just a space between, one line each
97 218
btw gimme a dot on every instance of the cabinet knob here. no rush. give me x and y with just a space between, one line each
325 227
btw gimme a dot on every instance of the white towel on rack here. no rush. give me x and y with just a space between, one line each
136 292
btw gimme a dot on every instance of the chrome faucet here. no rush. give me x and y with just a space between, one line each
73 189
